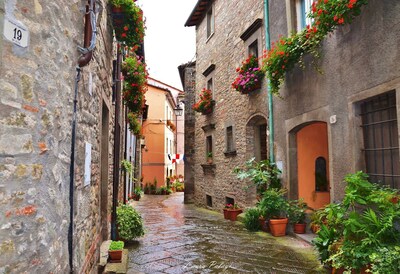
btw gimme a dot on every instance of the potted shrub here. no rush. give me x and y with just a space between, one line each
231 211
147 188
274 207
252 219
115 251
262 174
250 76
137 193
129 222
297 215
209 158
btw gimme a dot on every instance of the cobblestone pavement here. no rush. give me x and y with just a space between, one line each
185 239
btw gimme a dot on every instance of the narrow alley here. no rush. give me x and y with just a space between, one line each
184 239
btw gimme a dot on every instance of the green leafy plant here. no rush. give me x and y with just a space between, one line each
297 211
251 219
366 221
250 76
116 245
205 104
273 204
127 166
130 223
262 174
128 22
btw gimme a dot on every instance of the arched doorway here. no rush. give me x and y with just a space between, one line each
256 138
313 164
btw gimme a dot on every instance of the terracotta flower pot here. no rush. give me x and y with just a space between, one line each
299 228
278 227
115 255
231 214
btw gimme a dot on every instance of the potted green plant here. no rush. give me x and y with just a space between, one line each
252 219
231 211
297 215
146 188
127 167
262 174
115 251
137 193
209 158
129 222
274 207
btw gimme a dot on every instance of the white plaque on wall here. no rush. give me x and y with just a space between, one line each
15 33
88 163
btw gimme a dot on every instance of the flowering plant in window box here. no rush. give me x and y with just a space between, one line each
205 104
327 15
128 22
250 76
135 83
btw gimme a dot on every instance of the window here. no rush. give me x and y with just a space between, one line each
298 19
210 22
381 139
229 139
210 84
253 48
209 200
321 179
209 147
229 200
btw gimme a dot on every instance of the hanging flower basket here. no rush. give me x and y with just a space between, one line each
250 76
206 104
128 22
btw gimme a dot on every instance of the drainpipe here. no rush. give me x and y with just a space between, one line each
117 143
89 42
270 97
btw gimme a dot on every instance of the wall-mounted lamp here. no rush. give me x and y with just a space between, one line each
178 110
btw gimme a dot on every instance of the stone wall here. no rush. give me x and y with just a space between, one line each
226 50
358 61
36 104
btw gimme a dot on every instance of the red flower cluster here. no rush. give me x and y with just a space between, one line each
250 76
204 105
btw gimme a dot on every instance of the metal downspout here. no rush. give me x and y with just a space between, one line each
270 97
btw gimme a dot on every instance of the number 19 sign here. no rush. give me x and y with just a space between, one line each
15 33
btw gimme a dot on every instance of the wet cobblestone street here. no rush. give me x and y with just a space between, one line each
184 239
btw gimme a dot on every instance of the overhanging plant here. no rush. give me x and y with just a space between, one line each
127 166
249 77
135 83
128 22
327 15
205 104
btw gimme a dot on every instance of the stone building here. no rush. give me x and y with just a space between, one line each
56 206
226 33
322 122
345 119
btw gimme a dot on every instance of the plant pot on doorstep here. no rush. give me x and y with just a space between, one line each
115 255
299 228
278 227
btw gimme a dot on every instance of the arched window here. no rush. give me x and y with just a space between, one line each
321 179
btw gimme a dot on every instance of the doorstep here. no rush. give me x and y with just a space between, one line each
121 267
307 237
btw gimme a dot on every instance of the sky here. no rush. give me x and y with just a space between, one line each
168 43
